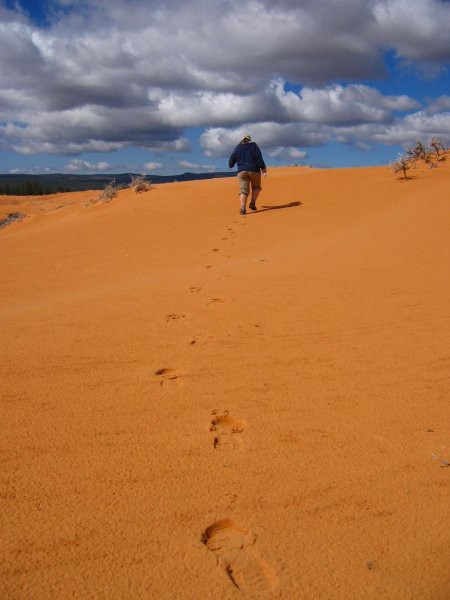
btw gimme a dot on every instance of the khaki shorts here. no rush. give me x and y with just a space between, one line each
246 178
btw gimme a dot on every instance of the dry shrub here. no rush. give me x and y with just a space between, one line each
402 165
109 192
437 145
10 218
139 183
418 152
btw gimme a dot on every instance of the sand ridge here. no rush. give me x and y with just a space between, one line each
202 405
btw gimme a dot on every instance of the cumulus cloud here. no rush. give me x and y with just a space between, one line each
288 152
91 128
399 133
37 170
418 30
179 145
152 166
186 164
219 142
442 103
331 104
110 74
338 104
77 165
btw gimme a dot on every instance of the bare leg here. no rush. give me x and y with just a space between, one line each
243 199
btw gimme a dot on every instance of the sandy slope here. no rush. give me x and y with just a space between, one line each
198 405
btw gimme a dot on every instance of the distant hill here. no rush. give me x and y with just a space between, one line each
21 184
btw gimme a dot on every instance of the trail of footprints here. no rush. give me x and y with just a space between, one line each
232 544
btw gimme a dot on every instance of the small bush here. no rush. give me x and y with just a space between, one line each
402 164
420 151
108 193
437 145
10 218
140 184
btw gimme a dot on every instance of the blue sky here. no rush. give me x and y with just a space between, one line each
171 86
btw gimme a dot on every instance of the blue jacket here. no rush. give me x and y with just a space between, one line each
248 158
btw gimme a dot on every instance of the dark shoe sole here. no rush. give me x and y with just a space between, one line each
252 206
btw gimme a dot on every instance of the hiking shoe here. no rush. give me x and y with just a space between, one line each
252 205
243 211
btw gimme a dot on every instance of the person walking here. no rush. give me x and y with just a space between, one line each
250 163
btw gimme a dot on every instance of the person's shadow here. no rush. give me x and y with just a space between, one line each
278 206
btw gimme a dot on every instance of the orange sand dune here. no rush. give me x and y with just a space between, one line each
198 405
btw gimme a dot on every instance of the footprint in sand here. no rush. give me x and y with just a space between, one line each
234 549
174 317
213 300
166 374
195 288
226 431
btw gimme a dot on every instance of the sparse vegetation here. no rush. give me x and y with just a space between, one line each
109 192
437 145
139 183
10 218
402 165
418 152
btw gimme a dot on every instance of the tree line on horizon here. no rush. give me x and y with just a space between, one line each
31 188
57 183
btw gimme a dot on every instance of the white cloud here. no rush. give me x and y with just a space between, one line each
218 141
418 30
152 166
401 132
181 144
33 170
288 152
111 74
77 165
341 104
91 129
332 104
442 103
186 164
